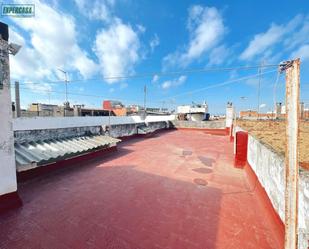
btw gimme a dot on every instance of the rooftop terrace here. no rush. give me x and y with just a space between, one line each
177 189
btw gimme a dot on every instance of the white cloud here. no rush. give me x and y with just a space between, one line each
141 28
155 78
218 55
300 36
175 82
42 88
262 105
52 44
123 85
97 10
27 60
206 29
302 52
117 49
264 42
155 41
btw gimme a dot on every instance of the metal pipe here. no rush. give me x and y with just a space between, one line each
17 99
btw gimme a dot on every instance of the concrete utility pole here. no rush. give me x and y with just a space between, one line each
8 186
291 154
17 99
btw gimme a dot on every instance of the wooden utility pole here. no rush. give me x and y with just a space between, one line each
291 154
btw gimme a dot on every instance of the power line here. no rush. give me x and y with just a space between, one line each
76 94
157 101
259 88
224 83
161 74
275 90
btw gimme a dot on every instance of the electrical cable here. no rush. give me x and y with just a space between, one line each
185 93
161 74
275 90
224 83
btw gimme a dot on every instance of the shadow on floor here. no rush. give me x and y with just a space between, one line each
118 206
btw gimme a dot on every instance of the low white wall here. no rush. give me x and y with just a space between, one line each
40 123
303 212
270 170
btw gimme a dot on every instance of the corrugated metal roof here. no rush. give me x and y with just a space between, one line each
143 130
33 154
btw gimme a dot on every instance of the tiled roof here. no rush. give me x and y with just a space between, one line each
33 154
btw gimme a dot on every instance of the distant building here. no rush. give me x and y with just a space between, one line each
47 110
115 107
196 112
81 111
248 114
134 109
278 113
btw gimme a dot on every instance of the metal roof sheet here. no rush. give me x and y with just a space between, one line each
33 154
143 130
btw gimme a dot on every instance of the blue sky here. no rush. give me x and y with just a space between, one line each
94 40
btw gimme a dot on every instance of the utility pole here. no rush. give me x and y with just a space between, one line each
145 93
66 103
17 99
109 121
291 154
259 88
48 92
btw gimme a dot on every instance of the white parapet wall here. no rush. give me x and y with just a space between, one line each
269 168
39 123
229 116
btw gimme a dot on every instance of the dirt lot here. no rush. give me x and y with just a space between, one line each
272 133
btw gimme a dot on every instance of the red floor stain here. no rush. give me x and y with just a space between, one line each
144 196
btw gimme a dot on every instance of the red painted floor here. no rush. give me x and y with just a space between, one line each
176 190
